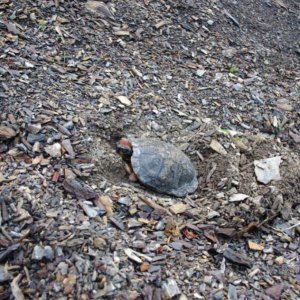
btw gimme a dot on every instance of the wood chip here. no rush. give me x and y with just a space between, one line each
238 197
124 100
15 289
216 146
254 246
7 132
107 203
130 253
178 208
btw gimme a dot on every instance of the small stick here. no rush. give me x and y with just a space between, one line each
154 205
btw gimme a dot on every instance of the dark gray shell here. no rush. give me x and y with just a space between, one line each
163 167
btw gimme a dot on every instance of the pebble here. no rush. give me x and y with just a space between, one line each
219 295
155 126
48 253
100 243
212 215
200 73
154 268
232 294
42 252
34 128
89 210
38 253
125 200
170 289
63 268
160 225
238 86
132 223
176 246
4 275
139 244
54 150
32 138
210 22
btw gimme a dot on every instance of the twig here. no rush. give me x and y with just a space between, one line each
154 205
211 172
295 225
15 289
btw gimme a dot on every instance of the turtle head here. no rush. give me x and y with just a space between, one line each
124 149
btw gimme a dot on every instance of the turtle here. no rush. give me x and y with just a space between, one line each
158 165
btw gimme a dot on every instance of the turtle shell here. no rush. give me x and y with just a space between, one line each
163 167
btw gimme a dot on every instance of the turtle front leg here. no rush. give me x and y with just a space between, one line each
132 176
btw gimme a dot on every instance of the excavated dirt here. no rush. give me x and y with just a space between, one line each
72 226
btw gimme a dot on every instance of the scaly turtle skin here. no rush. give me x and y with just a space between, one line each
159 165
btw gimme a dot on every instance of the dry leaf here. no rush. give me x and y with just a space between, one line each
215 145
15 289
144 266
107 203
100 8
7 132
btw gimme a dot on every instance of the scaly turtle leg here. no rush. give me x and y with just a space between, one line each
132 176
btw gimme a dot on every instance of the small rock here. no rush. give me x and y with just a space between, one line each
170 289
218 76
34 128
255 246
89 210
68 147
210 22
176 246
125 200
284 104
237 258
160 225
238 86
215 145
3 147
275 291
144 266
124 100
7 132
33 138
139 244
40 253
130 253
100 243
178 208
267 169
132 223
63 268
280 260
238 197
229 53
54 150
4 275
218 295
48 253
200 73
80 190
212 215
155 126
232 293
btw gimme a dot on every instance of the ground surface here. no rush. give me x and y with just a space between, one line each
189 72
